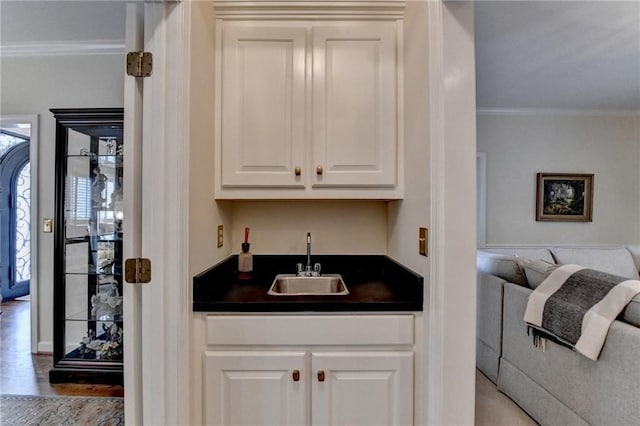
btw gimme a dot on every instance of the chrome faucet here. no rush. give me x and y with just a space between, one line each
308 270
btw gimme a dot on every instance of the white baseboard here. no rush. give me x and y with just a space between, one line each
45 347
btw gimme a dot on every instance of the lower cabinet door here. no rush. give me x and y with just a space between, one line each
256 388
362 388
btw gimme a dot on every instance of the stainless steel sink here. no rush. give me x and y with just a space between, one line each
293 285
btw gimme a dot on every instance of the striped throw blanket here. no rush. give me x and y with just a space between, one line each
576 306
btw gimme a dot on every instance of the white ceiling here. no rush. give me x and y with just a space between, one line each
558 54
529 54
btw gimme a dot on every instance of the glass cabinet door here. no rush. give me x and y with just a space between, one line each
88 319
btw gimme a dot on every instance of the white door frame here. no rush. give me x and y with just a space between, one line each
32 120
132 247
451 305
159 364
166 306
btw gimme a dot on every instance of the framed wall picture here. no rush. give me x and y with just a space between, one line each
564 197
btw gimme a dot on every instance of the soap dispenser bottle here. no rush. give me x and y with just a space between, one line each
245 258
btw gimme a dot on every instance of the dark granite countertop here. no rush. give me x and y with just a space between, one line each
375 282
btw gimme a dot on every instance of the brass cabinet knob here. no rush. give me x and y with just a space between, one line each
319 170
297 171
296 375
321 376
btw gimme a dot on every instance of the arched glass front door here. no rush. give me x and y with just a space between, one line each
15 238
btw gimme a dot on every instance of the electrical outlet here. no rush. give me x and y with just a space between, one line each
220 236
423 241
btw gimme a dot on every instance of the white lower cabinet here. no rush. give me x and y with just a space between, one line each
252 388
362 388
314 382
286 388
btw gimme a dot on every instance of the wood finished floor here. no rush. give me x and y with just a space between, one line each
23 373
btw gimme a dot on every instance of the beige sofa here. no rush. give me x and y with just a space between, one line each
557 386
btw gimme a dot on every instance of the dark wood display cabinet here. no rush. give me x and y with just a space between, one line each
87 295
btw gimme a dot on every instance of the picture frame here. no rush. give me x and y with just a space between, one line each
564 197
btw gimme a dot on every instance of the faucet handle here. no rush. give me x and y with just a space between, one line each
317 267
299 268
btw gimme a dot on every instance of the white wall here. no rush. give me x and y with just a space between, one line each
33 85
280 227
205 214
407 215
519 145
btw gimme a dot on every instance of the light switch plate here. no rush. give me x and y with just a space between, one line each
220 236
47 225
423 241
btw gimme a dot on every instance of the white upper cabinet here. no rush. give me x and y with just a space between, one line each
308 100
263 105
354 134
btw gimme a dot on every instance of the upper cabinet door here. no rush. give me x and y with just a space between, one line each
263 105
355 131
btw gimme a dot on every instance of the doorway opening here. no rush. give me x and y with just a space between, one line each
15 215
18 217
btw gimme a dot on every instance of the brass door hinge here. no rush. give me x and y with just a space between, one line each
139 64
137 270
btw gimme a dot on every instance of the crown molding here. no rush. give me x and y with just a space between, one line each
62 48
310 9
558 111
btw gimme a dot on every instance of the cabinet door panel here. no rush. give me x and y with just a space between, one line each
263 111
362 388
255 388
355 106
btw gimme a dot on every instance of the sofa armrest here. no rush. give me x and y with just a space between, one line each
489 310
489 324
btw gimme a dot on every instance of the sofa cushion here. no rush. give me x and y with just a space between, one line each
537 271
617 261
506 267
526 252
